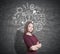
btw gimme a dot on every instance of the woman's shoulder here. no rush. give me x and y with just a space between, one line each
25 36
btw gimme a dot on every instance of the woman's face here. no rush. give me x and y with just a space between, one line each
30 27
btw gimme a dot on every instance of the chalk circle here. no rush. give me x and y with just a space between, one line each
32 7
19 9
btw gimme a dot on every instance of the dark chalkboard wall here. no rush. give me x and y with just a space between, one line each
11 40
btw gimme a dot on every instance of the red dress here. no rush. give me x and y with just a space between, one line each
29 41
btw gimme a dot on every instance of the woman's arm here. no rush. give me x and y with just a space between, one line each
36 47
39 45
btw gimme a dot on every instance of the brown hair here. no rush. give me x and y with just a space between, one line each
26 26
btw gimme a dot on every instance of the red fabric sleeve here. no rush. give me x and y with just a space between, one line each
28 41
36 38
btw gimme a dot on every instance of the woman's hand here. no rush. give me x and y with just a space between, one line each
39 45
38 42
36 47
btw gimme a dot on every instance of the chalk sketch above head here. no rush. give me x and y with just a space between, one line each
29 12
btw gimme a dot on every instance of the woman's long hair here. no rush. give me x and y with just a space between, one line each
26 26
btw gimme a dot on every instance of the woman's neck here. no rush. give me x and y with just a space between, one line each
28 33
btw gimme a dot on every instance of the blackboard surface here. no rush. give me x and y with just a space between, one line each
11 41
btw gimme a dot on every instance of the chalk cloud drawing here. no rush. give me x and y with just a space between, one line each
29 12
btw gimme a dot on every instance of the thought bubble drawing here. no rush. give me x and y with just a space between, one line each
29 12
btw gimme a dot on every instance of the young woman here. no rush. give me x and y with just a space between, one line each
31 41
